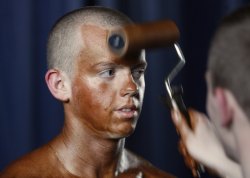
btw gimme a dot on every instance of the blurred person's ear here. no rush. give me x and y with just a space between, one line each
225 108
58 84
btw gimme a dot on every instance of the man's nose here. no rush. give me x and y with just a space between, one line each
130 87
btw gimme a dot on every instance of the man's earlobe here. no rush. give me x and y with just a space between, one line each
224 106
58 85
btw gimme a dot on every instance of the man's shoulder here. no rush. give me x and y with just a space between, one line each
19 168
139 164
33 164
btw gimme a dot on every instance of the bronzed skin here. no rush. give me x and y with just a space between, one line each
102 102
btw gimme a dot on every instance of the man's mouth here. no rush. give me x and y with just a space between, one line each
127 112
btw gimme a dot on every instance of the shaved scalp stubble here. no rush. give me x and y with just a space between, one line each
65 39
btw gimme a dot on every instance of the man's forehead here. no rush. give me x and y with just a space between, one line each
94 39
92 33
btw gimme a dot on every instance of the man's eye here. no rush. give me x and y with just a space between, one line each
107 73
137 73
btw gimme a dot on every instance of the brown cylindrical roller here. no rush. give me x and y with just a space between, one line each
134 37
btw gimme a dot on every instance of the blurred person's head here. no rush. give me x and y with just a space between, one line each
228 76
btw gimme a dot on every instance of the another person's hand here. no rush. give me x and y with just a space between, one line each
203 145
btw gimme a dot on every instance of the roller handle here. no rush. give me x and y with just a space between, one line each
134 37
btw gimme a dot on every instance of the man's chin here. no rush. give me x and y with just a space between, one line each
121 134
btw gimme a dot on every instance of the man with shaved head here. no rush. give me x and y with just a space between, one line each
102 99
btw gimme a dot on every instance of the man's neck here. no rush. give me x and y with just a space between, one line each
86 155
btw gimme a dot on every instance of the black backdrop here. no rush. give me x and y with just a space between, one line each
30 116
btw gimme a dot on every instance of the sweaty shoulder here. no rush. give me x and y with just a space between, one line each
39 163
141 167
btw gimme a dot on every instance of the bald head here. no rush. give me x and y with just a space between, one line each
65 39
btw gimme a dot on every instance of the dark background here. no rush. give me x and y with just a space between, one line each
30 116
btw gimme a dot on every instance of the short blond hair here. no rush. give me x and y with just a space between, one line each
64 44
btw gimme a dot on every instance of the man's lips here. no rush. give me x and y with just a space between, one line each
127 112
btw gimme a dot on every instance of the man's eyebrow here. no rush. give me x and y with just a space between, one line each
111 64
141 64
103 64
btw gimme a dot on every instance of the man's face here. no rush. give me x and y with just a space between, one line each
107 92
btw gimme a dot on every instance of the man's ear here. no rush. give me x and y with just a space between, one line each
58 84
224 105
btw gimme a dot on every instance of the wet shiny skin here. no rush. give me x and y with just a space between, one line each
103 85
